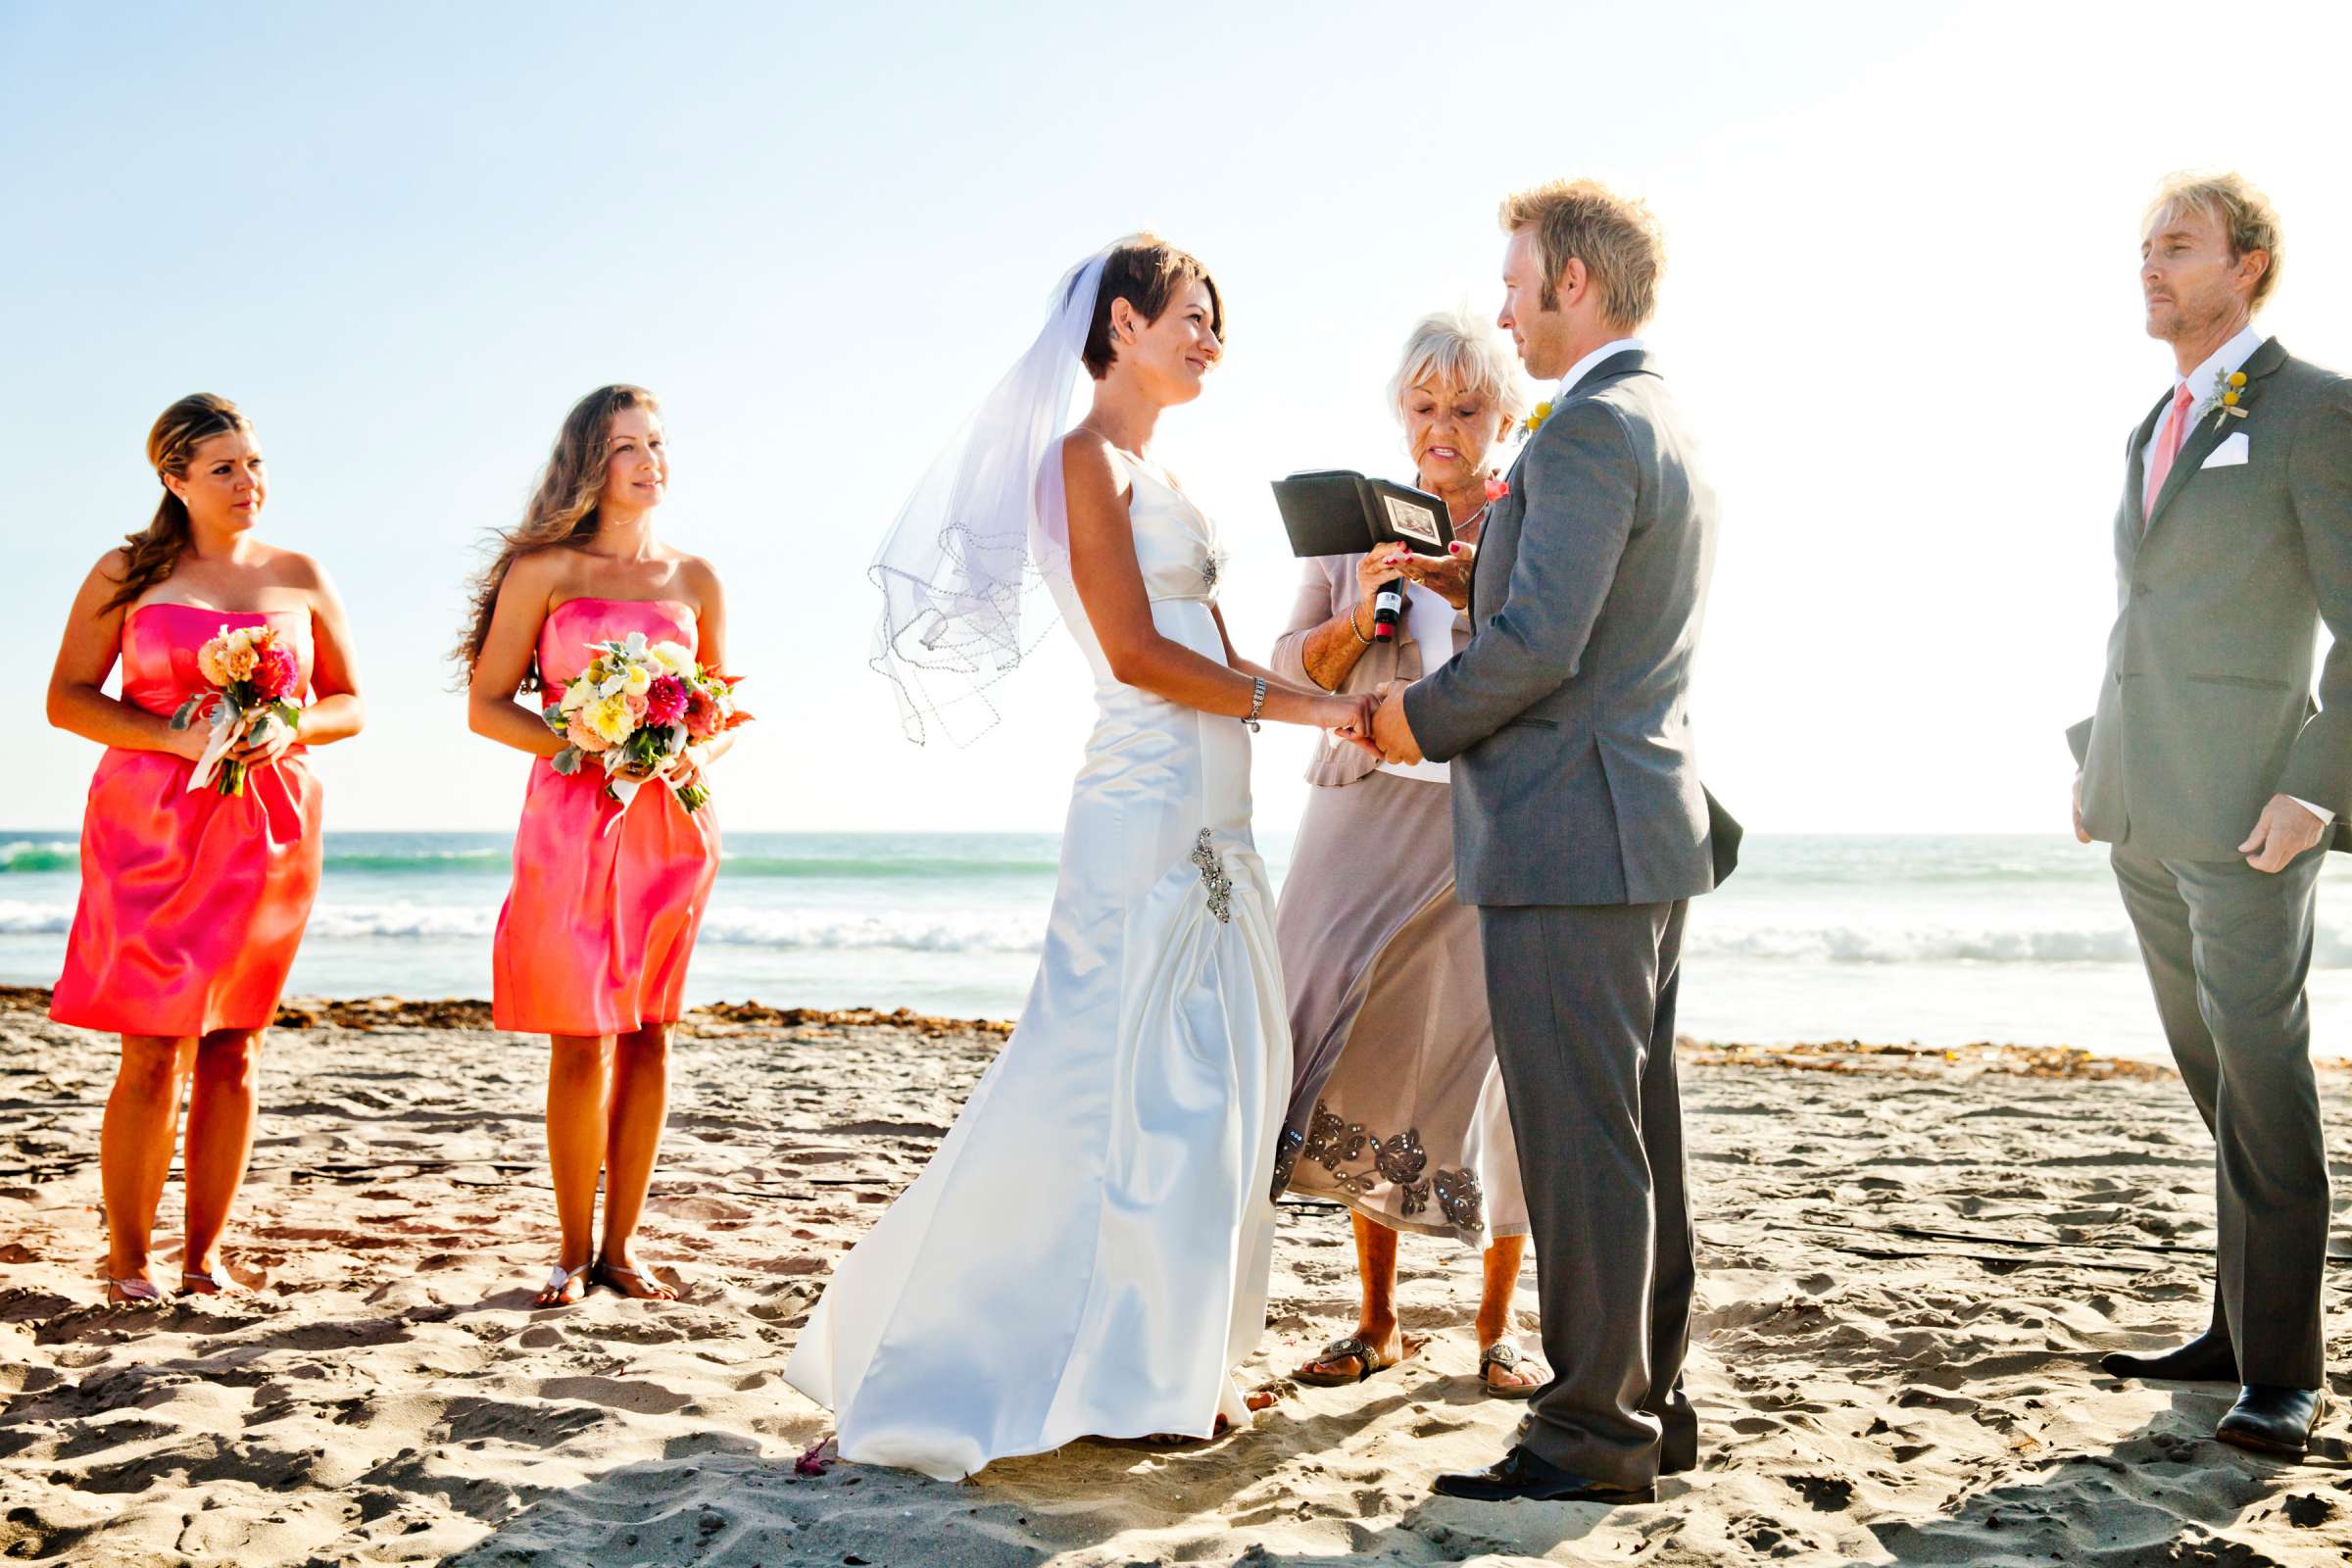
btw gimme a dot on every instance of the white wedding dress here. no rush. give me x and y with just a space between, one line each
1087 1252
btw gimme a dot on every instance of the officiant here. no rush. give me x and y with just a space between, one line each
1398 1109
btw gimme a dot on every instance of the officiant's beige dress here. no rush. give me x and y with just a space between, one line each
1397 1106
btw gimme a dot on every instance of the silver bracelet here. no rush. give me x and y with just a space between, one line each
1257 703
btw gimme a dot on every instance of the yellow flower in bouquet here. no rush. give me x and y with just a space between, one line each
611 718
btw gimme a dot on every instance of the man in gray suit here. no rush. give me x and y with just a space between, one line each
1581 831
2215 777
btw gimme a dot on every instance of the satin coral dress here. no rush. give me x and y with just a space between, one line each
192 901
602 915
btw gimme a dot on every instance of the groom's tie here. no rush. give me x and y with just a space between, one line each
2167 447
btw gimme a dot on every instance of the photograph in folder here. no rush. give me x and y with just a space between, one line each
1338 512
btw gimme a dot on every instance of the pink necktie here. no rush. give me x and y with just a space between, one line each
2167 447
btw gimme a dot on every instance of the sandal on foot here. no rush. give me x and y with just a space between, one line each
660 1290
559 1280
1503 1353
1367 1359
211 1282
136 1291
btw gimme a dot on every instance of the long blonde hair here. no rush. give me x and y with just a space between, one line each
563 511
154 551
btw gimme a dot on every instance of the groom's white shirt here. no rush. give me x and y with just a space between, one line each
2204 384
1584 367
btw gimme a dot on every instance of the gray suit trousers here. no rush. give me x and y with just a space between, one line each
2228 948
1582 999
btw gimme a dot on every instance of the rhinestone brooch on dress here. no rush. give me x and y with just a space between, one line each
1210 568
1213 877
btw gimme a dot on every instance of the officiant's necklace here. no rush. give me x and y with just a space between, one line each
1474 522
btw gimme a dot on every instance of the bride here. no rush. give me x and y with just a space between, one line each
1087 1252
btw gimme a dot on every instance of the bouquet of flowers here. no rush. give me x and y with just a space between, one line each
253 676
636 709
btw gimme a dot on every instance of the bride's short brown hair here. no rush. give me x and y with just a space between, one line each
1146 271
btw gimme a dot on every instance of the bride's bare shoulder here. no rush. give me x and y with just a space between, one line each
1090 467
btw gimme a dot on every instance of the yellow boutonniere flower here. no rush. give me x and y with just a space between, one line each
2230 404
1535 419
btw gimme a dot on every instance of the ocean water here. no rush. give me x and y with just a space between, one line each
1940 940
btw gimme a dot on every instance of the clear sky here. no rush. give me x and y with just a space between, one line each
1901 308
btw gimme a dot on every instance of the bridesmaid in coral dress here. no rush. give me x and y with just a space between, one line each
192 901
600 921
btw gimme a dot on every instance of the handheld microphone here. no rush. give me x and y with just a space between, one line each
1388 609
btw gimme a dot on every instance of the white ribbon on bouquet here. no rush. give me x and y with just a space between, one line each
228 735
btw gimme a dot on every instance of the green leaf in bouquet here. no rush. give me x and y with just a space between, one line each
185 714
567 761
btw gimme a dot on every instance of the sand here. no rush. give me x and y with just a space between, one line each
1910 1261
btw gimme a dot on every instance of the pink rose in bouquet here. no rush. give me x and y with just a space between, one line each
276 672
582 734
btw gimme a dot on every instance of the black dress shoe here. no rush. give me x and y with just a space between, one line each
2207 1358
2269 1419
1521 1472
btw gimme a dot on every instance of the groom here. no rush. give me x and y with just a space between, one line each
2216 780
1581 831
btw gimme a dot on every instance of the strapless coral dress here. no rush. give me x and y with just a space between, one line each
192 901
602 915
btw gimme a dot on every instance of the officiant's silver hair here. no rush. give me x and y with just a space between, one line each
2245 213
1457 349
1616 237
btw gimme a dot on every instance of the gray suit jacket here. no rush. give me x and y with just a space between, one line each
1566 716
2206 709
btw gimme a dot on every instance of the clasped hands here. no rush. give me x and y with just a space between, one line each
1392 736
2285 829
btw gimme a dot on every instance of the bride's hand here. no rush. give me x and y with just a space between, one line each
1350 719
1447 576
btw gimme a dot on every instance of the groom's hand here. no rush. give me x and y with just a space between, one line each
1390 732
2082 835
2287 828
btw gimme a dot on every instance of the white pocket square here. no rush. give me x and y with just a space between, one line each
2232 451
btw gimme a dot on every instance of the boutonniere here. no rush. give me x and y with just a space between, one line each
1535 419
2230 397
1496 488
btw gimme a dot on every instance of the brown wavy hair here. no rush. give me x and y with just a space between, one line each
562 511
154 551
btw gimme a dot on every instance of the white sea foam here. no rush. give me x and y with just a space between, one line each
1019 930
